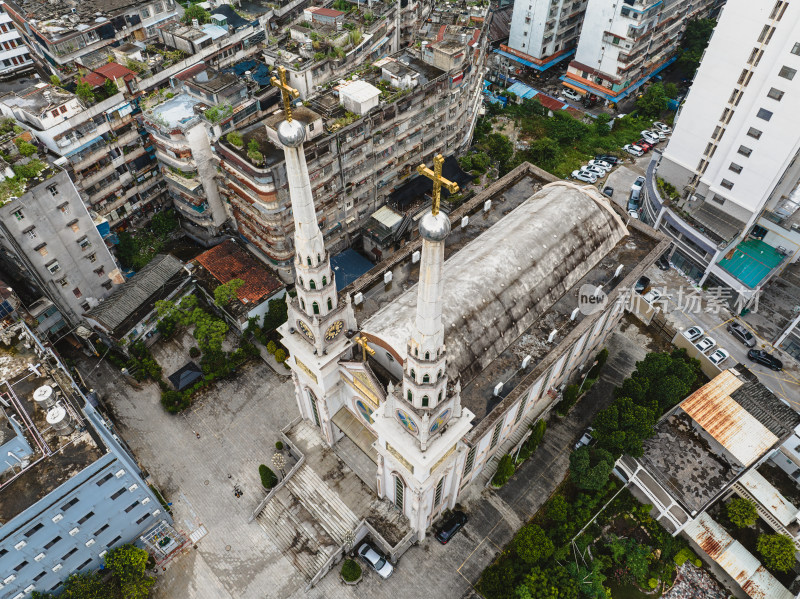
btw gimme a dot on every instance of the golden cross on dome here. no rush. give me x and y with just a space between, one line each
287 92
435 175
365 349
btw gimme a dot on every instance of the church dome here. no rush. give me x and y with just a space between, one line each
434 228
291 133
499 284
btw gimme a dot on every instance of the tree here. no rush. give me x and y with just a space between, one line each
589 581
532 544
558 508
25 148
601 126
777 551
590 468
500 148
110 88
693 44
226 293
505 468
55 80
544 152
623 426
277 314
742 512
566 129
195 11
268 478
671 90
128 564
653 101
235 139
85 586
280 355
84 91
548 583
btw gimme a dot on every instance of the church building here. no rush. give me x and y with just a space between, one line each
436 378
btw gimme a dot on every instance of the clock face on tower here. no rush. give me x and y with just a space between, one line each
303 328
334 330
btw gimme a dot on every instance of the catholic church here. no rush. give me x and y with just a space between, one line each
437 382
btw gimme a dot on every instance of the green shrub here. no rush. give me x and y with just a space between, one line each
652 583
271 347
278 445
25 148
194 352
568 400
174 401
280 355
235 139
268 478
742 512
685 555
351 570
504 471
777 551
600 358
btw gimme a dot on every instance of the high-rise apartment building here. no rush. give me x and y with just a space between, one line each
623 44
733 155
15 57
544 32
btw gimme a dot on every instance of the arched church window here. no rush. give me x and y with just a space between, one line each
438 375
315 307
312 284
413 375
426 378
425 401
324 281
318 259
399 492
440 397
308 260
416 351
302 304
301 281
410 396
427 355
330 304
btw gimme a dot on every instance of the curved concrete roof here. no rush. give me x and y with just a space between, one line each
503 281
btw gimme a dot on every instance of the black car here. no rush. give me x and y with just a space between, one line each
761 357
663 262
454 522
612 160
641 285
742 334
608 191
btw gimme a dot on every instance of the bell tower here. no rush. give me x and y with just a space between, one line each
315 329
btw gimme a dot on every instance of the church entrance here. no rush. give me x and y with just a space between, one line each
359 434
355 448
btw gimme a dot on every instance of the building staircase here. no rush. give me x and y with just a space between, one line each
504 447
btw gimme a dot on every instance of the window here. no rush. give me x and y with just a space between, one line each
315 308
20 565
77 292
104 480
84 564
69 553
73 224
54 112
41 248
39 576
796 49
302 304
308 260
18 214
521 409
410 396
100 271
131 507
726 184
84 243
92 257
752 132
496 434
31 232
143 518
63 282
52 542
764 114
106 285
775 94
85 518
324 281
413 375
119 493
426 378
470 460
69 504
399 491
64 208
735 168
437 497
53 190
745 151
312 284
100 530
32 531
787 73
53 267
330 304
425 401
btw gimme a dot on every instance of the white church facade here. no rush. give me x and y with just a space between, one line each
413 381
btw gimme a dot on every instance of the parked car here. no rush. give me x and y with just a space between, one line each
585 439
633 203
641 285
585 176
634 214
718 356
705 344
652 296
454 522
612 160
571 94
377 561
660 135
608 191
650 136
594 169
742 334
632 149
645 145
759 356
664 128
663 261
601 164
638 184
693 333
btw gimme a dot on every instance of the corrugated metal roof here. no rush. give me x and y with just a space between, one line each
726 421
737 561
387 217
760 488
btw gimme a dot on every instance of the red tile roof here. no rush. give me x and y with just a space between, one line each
549 103
114 70
190 72
327 12
228 261
93 79
440 35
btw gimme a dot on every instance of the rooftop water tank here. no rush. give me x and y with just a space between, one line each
58 418
44 397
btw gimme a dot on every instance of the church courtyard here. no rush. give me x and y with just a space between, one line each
239 420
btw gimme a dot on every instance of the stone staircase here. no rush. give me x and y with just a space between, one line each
307 521
503 448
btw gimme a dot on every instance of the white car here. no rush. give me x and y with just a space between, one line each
638 184
379 563
601 164
633 214
571 94
584 176
596 170
632 149
658 133
718 356
705 344
585 439
652 296
693 333
650 137
664 128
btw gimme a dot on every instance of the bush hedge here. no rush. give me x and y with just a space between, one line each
278 445
174 401
351 570
268 478
504 471
194 352
569 398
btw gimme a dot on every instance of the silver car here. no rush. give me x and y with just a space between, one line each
378 562
742 334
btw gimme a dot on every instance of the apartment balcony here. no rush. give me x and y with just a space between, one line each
127 137
94 177
178 163
90 158
118 123
188 185
104 192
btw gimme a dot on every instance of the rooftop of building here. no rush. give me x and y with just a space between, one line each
228 261
213 81
136 298
175 112
54 458
37 98
713 435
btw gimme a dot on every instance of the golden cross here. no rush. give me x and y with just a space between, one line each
365 349
435 175
287 92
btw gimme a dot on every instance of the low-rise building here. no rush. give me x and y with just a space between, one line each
69 489
228 261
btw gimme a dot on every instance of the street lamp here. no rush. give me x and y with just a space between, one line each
279 462
585 375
